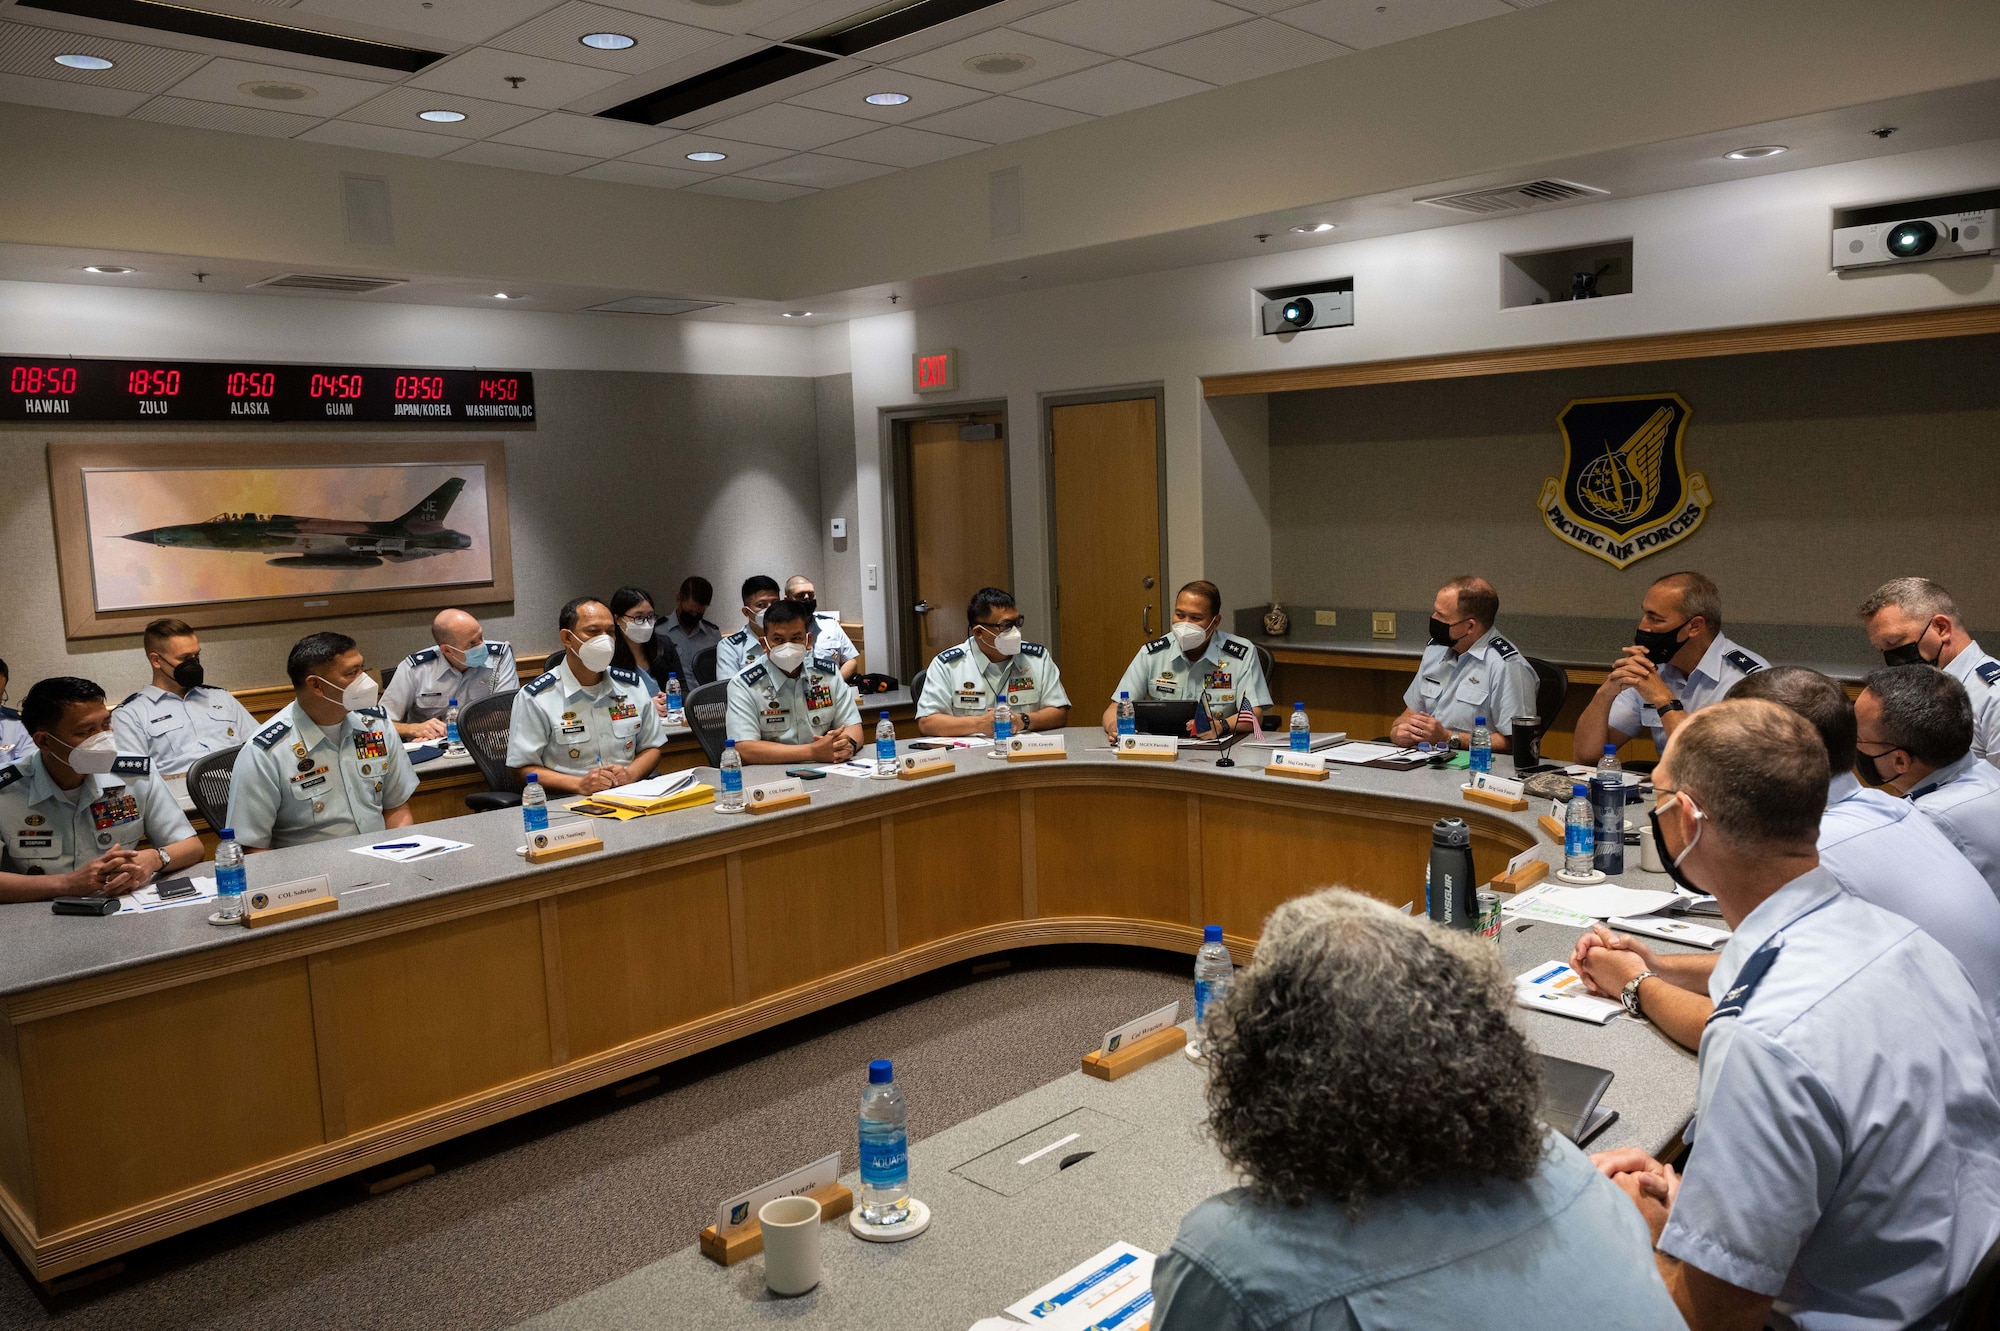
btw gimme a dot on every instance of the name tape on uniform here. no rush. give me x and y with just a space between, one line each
1138 1029
742 1208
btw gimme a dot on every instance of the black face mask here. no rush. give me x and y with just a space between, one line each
1910 653
809 604
1673 870
688 618
1869 769
1440 632
188 673
1661 646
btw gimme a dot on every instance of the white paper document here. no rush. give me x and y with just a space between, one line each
1554 987
863 767
1535 903
148 897
1365 753
1282 739
410 846
655 787
1672 929
1113 1291
1598 902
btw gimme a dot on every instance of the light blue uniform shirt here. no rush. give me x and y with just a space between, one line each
765 703
426 683
14 741
1710 681
1440 1258
1883 850
1490 678
565 726
1980 674
294 783
46 830
174 729
1227 672
735 652
1847 1124
1963 799
961 681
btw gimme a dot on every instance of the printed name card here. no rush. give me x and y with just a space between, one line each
1036 748
773 795
556 837
1302 766
743 1207
290 901
1499 785
1149 748
1138 1029
916 766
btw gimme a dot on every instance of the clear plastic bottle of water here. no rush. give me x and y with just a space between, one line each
230 880
730 798
885 748
885 1148
534 806
1480 750
1003 726
1213 972
1579 833
1302 735
451 723
1609 765
676 713
1128 716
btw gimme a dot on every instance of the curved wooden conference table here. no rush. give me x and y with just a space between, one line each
157 1073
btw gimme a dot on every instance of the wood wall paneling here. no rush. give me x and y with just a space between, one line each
958 866
644 954
1119 852
812 906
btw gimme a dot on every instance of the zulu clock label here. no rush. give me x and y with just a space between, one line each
56 388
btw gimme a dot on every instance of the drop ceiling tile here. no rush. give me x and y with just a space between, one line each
739 155
927 96
215 115
1110 89
742 187
1364 23
69 96
326 94
398 109
900 145
1265 6
1122 27
484 72
521 159
593 136
639 173
1002 120
734 15
794 127
1046 60
555 35
1246 51
817 171
381 138
448 24
25 49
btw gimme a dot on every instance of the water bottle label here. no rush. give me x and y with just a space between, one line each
1481 760
1002 730
1202 989
732 780
1127 726
230 881
537 817
885 1164
1579 840
885 750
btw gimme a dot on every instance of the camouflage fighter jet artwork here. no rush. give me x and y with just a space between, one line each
323 542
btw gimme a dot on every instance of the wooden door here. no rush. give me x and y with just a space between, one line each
958 529
1106 477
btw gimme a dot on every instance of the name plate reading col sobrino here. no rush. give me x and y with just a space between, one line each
56 388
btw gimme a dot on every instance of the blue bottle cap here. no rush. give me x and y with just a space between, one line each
1478 720
229 833
1610 749
673 675
1211 933
729 744
1124 697
1579 789
885 714
880 1072
535 777
454 702
1298 707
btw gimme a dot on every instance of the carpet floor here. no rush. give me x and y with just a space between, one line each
530 1213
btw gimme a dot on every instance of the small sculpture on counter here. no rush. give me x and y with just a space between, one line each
1276 622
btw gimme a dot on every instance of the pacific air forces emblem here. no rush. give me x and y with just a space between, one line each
1625 491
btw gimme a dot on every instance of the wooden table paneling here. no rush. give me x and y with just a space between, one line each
958 866
812 906
1120 852
644 954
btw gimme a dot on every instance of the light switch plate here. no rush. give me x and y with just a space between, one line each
872 579
1385 623
1326 618
840 529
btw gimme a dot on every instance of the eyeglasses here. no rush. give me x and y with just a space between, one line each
1002 625
642 621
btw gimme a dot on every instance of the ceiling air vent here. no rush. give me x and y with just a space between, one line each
656 305
1514 198
346 286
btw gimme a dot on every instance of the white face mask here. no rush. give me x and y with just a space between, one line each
639 630
1008 643
597 653
94 756
359 695
756 616
789 656
1188 637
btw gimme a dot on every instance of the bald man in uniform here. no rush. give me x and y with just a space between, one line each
463 665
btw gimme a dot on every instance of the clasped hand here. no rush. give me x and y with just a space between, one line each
1607 960
113 874
1635 670
1419 728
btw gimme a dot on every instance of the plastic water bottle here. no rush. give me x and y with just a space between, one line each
451 723
1579 833
1003 726
230 880
676 714
730 798
1128 716
1302 735
1213 971
534 806
885 1148
885 748
1609 765
1481 748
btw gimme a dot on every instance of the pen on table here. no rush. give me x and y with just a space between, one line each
398 845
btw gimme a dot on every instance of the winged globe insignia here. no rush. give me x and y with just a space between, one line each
1625 491
1625 481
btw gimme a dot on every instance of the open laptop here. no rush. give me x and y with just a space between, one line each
1570 1094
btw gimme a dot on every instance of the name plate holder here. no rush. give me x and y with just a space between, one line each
1132 1046
1149 748
289 901
1496 792
925 764
1297 766
775 795
736 1234
559 843
1037 749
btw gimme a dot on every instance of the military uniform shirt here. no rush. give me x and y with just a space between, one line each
1226 674
1721 666
174 731
426 683
734 653
830 639
14 741
294 783
44 830
566 727
1847 1132
1490 678
1980 674
765 703
1963 799
689 643
961 681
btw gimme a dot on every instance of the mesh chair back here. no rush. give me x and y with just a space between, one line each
917 684
1551 689
208 786
1264 660
483 727
703 668
708 714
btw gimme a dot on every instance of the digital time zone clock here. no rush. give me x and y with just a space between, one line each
53 389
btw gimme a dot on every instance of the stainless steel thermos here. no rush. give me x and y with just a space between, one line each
1453 901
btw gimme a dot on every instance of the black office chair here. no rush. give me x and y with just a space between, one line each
1551 691
708 715
917 683
208 786
388 673
703 668
483 729
1264 660
1979 1306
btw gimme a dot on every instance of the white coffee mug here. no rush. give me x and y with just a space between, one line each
791 1244
1649 852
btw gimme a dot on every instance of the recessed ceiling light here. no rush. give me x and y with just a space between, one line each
441 117
1752 154
84 61
886 98
798 314
508 295
708 155
608 41
999 62
1314 228
107 269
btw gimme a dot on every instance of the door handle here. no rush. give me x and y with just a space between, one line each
921 608
1146 621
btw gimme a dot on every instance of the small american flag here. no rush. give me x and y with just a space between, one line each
1247 717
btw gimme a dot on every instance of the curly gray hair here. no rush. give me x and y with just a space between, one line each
1363 1053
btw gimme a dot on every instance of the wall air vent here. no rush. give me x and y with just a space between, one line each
244 31
335 282
1514 198
886 22
771 65
655 305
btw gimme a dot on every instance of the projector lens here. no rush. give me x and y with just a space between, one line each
1298 311
1909 239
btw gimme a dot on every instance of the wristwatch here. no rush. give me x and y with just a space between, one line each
1671 705
1629 995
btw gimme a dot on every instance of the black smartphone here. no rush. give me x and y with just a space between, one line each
84 906
173 889
805 773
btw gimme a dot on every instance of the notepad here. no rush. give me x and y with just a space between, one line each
1554 987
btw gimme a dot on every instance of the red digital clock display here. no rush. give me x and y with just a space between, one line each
153 383
51 386
53 380
419 388
345 387
251 383
499 390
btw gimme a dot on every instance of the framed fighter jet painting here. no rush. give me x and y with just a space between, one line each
244 533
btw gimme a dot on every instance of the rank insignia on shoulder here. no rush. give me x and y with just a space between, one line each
826 663
1743 661
272 733
498 648
1747 980
1033 649
379 713
739 637
1236 648
952 653
1158 645
754 675
10 774
624 676
425 657
132 766
539 684
128 698
1506 649
1988 671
